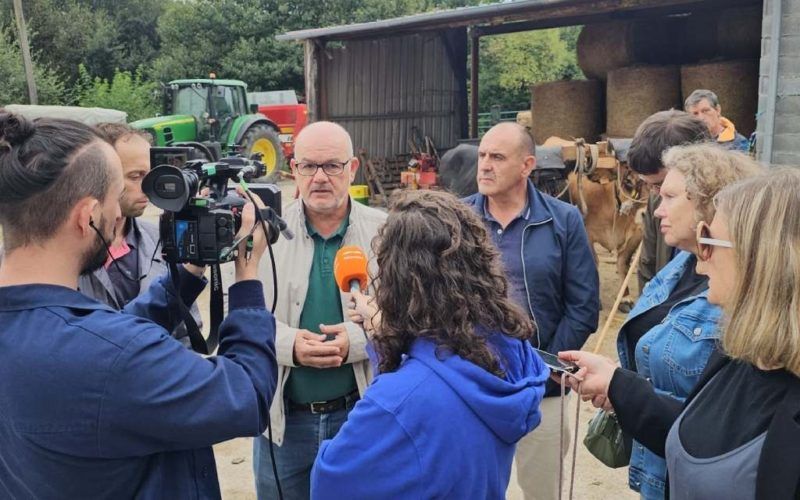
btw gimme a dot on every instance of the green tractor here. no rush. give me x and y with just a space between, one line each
213 117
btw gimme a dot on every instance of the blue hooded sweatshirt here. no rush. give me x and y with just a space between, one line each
438 427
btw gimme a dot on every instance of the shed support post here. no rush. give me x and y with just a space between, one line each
473 78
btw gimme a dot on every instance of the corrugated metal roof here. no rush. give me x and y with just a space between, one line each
420 21
494 14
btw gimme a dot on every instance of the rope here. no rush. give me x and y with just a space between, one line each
561 454
634 264
622 191
566 188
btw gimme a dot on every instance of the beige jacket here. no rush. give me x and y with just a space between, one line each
293 260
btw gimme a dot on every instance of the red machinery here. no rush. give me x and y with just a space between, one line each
283 108
422 167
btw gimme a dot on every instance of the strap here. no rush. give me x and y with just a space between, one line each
195 337
216 307
561 440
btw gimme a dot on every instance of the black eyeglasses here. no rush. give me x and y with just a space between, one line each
330 168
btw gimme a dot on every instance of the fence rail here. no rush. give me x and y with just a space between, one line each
492 118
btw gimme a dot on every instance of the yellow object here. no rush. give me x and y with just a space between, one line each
360 193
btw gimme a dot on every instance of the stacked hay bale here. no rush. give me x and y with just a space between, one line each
568 109
635 93
604 47
650 65
734 82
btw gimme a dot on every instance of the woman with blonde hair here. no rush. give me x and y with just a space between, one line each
671 331
738 435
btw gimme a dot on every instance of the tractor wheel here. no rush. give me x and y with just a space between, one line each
264 140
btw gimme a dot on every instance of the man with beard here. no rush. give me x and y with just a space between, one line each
97 403
135 260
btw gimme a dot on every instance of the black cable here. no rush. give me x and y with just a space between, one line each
272 457
260 218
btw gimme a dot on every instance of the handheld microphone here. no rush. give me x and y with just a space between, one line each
350 269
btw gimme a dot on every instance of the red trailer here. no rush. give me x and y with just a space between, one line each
283 108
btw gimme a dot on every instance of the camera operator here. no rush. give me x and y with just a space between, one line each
97 403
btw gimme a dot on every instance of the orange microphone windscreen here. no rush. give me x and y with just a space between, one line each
350 268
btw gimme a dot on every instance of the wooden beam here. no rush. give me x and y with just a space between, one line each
474 67
26 51
311 73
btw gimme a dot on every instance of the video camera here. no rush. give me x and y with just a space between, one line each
201 214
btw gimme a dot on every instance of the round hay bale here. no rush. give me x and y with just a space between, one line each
635 93
603 47
567 109
739 33
734 82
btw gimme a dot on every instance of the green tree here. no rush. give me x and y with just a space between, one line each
13 87
236 38
125 92
510 64
103 35
68 32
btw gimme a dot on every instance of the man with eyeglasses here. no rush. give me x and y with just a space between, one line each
323 365
659 132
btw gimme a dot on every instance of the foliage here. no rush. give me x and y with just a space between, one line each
123 45
13 86
125 92
103 35
510 64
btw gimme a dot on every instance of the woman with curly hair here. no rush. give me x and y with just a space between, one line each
458 383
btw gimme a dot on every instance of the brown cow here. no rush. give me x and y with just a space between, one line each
610 220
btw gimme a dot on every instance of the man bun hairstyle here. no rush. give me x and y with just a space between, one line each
13 131
46 167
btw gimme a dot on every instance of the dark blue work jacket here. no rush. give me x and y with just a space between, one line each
96 403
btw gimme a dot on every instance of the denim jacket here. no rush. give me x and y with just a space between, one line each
671 355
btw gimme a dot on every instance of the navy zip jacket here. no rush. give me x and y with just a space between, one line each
96 403
561 279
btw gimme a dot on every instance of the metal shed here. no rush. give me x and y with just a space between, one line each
384 79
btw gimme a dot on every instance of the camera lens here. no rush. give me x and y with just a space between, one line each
170 188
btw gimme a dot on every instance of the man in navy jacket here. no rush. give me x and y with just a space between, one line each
97 403
551 273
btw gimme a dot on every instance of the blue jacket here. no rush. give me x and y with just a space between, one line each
438 427
560 272
96 403
672 355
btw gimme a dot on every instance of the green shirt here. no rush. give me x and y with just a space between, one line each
322 306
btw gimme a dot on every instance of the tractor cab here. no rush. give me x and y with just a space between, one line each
214 104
